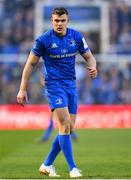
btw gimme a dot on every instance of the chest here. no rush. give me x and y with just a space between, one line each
62 46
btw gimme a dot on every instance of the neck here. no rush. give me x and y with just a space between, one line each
62 33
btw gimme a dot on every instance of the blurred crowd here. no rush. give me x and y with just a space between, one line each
112 86
120 27
17 25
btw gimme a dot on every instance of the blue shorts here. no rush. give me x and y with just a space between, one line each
62 96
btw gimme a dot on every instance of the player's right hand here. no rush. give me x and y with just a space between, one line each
22 97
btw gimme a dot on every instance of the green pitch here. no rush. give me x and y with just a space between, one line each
99 153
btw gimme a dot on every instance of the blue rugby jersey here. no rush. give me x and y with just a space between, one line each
59 53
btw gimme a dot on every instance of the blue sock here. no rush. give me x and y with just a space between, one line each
47 133
73 135
66 147
55 149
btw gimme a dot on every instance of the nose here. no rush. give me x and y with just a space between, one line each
60 22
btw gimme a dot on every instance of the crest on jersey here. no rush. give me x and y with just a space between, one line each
72 42
54 45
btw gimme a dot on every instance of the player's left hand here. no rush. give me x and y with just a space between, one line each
92 71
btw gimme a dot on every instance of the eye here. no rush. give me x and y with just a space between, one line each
56 20
63 20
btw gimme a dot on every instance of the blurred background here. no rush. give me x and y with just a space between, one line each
104 102
105 24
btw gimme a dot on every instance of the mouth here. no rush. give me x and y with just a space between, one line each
59 29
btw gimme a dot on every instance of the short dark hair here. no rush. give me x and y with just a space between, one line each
60 11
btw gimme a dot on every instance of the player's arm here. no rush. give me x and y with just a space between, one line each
31 62
91 63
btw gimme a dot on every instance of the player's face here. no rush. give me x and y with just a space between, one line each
60 23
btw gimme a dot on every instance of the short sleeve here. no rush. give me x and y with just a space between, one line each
38 47
82 45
